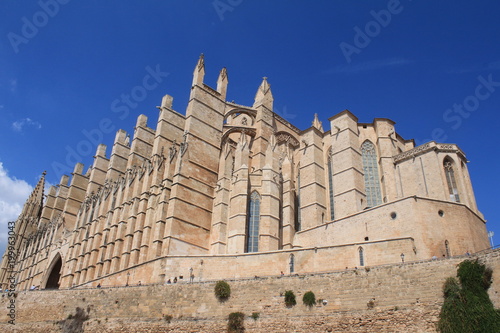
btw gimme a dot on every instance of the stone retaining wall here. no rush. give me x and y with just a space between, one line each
395 298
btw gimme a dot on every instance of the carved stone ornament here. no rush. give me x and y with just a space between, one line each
184 145
283 137
172 151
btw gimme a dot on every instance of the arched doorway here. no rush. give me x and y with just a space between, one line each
55 274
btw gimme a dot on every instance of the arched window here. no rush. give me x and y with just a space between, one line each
447 248
361 256
298 219
450 179
253 223
292 263
330 185
370 169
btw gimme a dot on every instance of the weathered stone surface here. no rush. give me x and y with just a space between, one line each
393 298
230 191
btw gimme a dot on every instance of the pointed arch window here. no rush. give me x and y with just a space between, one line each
370 169
450 179
330 185
253 223
361 253
298 219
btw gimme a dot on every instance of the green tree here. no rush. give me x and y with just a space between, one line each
467 308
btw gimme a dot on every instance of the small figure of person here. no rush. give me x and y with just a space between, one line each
169 282
139 284
175 279
282 274
99 285
191 278
32 287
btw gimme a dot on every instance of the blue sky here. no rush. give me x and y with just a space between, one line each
67 67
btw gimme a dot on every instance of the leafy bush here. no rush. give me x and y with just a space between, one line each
222 290
255 315
309 299
236 322
290 298
467 308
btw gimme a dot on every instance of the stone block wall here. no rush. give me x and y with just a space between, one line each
394 298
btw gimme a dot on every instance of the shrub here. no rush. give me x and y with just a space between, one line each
309 299
290 298
370 304
255 315
222 290
168 318
467 307
235 322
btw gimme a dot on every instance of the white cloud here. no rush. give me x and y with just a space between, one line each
13 194
19 125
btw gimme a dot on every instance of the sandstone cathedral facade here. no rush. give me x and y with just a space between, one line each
229 191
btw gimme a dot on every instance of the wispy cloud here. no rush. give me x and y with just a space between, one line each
368 66
490 66
19 125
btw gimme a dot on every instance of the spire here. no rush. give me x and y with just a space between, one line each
199 71
316 123
222 83
264 96
37 193
35 201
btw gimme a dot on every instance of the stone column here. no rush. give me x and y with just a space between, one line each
236 226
